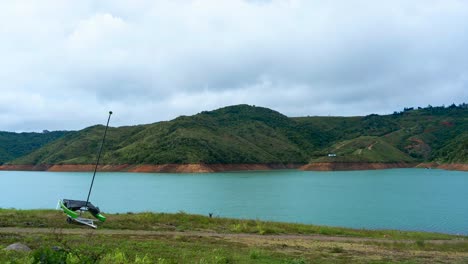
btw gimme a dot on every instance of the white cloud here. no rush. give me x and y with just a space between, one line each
67 62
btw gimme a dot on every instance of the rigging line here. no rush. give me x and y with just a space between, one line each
99 157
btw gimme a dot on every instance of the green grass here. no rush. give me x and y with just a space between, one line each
187 246
122 249
190 222
365 149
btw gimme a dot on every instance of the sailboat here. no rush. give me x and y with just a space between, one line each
75 208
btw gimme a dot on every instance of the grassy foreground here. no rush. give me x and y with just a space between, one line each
185 238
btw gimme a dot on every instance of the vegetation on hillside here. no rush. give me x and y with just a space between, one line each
249 134
364 149
14 145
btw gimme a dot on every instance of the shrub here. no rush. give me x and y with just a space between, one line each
297 261
420 243
240 228
46 255
337 249
255 254
117 257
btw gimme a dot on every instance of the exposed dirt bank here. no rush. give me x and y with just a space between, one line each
88 167
170 168
460 167
203 168
449 166
344 166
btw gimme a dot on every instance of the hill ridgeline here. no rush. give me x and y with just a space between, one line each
248 137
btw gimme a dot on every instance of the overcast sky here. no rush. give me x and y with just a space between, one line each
64 64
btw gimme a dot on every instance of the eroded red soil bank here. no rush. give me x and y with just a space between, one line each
173 168
199 168
452 166
344 166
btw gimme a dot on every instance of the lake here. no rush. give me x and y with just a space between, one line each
405 199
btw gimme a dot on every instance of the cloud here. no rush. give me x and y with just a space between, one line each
65 63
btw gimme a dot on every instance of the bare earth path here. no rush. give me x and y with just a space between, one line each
83 231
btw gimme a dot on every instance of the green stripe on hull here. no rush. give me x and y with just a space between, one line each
67 211
100 217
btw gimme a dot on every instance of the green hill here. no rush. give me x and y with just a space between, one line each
365 149
238 134
14 145
249 134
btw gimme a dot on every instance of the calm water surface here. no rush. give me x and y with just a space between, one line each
407 199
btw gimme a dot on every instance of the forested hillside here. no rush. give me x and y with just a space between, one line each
249 134
14 145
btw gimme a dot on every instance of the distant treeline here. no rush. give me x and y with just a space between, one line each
434 109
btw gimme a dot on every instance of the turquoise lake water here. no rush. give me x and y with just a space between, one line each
405 199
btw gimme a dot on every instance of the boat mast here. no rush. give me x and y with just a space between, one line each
98 158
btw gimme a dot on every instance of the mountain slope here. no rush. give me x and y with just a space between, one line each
14 145
245 134
365 149
238 134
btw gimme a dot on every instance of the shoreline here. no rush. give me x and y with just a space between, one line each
183 238
207 168
117 219
352 166
164 168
